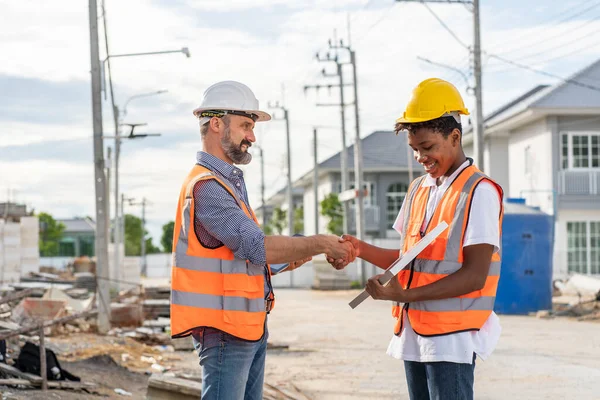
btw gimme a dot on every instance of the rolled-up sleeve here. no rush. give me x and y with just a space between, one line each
222 218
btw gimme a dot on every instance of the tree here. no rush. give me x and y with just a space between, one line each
150 247
50 234
133 237
278 221
299 220
167 237
331 207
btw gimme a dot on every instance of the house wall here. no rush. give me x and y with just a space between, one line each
495 159
530 165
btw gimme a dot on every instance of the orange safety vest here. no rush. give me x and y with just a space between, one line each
443 257
210 287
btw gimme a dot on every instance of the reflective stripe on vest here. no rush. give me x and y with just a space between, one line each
467 312
211 287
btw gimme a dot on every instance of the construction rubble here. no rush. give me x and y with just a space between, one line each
577 297
54 313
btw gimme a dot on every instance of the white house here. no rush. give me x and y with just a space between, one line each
545 147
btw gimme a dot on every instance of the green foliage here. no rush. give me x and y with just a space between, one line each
356 285
133 237
167 236
299 220
331 207
51 232
278 221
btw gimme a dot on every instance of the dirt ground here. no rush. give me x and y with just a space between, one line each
339 353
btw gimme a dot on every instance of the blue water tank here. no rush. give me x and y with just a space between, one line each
526 274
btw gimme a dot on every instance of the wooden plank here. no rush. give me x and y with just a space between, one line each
51 384
43 368
176 385
9 369
27 329
15 382
17 295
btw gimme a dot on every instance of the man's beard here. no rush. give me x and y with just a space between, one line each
234 151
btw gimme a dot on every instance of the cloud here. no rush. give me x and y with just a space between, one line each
42 101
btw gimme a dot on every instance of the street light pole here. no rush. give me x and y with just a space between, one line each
117 220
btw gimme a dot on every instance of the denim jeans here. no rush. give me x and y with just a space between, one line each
440 380
232 368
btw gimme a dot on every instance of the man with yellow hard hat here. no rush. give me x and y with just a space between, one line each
444 301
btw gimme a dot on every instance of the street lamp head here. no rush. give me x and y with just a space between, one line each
186 51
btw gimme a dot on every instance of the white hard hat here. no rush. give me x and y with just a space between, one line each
229 97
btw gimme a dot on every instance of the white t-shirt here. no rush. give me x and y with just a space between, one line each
482 228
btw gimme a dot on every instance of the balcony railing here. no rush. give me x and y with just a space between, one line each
581 183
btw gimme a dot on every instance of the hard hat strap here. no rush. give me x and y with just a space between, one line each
454 114
222 113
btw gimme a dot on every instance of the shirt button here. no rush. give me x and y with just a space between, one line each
237 184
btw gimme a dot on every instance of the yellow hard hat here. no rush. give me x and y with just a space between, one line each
432 99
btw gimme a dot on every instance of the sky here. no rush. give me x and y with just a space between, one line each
46 152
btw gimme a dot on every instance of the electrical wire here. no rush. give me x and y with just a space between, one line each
566 80
454 35
561 32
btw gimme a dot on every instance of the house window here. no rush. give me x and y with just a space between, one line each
395 196
583 247
581 150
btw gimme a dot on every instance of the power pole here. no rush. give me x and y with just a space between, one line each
358 162
342 105
99 177
316 181
290 200
143 244
478 139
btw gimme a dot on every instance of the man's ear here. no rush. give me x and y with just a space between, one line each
215 123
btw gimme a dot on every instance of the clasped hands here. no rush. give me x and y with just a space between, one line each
345 250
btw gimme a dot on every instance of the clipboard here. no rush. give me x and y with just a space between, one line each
402 262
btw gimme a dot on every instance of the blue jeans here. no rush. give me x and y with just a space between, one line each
440 380
232 368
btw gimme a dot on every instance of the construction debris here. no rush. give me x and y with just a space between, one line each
578 297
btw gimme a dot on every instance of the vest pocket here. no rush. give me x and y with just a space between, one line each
242 285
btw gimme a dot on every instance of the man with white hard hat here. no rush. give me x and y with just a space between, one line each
221 288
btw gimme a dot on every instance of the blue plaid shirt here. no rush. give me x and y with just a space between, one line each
218 219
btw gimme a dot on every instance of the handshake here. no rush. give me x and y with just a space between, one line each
341 251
